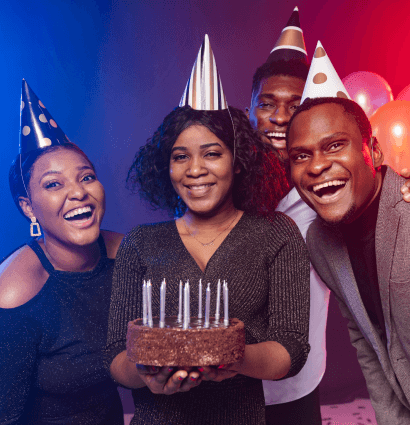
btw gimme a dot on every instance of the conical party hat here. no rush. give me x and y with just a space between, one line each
290 44
37 127
204 89
323 80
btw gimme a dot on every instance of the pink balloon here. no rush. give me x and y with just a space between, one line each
368 89
404 94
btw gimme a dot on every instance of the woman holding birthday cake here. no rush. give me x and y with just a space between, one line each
207 167
55 291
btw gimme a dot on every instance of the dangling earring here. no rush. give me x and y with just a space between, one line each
37 230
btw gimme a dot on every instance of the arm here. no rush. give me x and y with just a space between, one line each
124 307
405 189
283 348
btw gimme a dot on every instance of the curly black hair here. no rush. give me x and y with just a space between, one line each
26 162
292 68
257 188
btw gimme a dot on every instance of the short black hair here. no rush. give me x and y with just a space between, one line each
258 187
26 162
292 68
349 106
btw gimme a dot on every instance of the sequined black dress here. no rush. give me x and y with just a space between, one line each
51 368
266 266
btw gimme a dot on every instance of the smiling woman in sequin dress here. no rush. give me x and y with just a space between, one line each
223 185
54 297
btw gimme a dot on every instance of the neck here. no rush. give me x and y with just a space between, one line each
71 258
202 221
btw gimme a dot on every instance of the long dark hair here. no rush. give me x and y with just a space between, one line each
257 188
16 175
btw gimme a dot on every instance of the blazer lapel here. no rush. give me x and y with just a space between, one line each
386 230
344 276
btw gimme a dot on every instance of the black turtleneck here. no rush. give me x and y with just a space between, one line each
360 240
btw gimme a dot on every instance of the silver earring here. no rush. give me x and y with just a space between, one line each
34 228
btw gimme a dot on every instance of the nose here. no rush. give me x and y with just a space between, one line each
318 164
280 116
76 190
196 167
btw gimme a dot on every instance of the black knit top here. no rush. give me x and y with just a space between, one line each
266 267
51 351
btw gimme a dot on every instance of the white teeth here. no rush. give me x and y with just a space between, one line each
77 211
331 183
202 186
277 135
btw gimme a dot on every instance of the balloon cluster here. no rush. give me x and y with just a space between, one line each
390 119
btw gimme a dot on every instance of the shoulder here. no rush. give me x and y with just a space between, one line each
112 242
146 235
21 278
281 226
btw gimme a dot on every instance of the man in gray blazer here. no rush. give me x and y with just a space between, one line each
360 243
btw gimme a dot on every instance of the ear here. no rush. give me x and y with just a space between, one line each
247 110
377 152
25 205
237 169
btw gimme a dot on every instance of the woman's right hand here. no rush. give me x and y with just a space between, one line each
168 380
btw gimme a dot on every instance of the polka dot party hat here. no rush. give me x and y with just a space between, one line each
37 127
323 80
290 44
204 88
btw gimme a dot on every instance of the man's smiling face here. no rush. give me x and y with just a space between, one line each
272 107
330 165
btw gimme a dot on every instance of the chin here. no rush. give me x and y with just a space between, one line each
338 218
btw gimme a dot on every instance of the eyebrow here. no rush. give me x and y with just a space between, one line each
322 141
206 145
53 172
272 96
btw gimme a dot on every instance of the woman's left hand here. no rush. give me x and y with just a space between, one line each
218 373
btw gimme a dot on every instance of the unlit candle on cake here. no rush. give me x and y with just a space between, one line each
226 316
144 303
200 300
207 305
149 302
162 304
218 301
180 302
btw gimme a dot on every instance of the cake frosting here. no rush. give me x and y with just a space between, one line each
195 346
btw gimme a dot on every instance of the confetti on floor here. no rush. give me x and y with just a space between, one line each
359 412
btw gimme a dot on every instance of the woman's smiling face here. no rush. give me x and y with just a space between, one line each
201 170
66 197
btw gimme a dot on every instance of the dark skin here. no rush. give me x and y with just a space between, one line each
273 105
335 172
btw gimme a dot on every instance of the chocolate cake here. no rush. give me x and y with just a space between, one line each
196 346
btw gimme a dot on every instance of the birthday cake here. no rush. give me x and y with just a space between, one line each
172 345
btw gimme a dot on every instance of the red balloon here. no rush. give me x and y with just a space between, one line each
368 89
391 127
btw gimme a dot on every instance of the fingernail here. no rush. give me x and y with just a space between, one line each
201 369
170 369
181 378
221 366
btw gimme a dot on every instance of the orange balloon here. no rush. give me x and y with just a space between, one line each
391 127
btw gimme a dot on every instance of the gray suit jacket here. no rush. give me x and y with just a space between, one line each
386 369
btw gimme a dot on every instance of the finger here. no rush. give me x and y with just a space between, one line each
406 197
144 370
174 382
193 379
163 375
405 187
208 373
405 172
